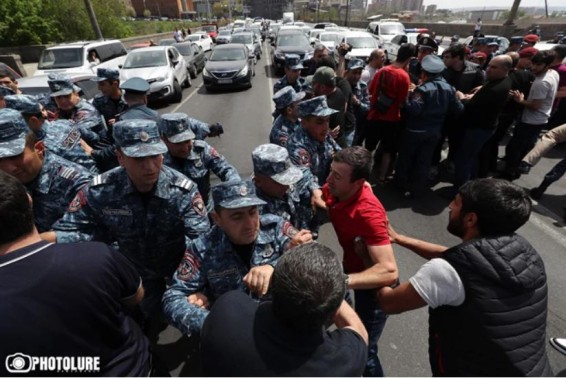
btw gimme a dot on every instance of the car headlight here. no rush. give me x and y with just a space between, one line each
206 73
243 72
279 55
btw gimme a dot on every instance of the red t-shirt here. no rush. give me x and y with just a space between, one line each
361 215
396 83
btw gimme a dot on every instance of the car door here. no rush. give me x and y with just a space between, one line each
198 56
180 66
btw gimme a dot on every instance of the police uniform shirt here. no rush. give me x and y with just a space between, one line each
282 130
152 235
212 267
139 111
299 85
54 188
202 159
108 107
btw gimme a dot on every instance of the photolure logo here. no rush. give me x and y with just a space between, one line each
23 363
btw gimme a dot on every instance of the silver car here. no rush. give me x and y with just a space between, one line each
164 69
250 40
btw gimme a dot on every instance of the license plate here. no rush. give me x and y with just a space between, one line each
224 81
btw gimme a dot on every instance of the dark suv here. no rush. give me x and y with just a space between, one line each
290 42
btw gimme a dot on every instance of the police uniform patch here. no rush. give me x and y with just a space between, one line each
243 191
214 153
198 205
78 202
304 157
144 137
188 267
71 139
289 230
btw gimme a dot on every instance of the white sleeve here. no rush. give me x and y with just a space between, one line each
438 284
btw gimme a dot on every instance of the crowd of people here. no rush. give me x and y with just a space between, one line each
109 225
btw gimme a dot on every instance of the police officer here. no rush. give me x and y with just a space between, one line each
359 104
515 44
286 189
150 211
311 145
530 40
61 137
110 102
237 254
286 104
69 105
425 46
425 110
51 181
193 158
204 130
293 67
135 94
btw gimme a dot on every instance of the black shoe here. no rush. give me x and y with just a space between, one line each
524 168
536 193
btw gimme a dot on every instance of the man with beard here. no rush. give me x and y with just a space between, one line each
487 295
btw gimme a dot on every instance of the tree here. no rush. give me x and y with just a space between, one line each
513 13
146 13
23 22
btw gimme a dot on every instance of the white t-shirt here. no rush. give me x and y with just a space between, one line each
367 74
438 284
544 88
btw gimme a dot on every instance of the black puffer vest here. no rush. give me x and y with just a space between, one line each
500 329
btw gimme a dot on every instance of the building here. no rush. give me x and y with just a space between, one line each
430 10
164 8
486 14
271 9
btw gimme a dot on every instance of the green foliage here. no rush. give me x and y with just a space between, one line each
22 22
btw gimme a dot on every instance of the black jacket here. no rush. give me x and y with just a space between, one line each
500 329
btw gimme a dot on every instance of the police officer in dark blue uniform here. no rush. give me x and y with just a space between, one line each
293 67
135 95
51 181
287 122
426 45
110 102
238 253
193 158
426 109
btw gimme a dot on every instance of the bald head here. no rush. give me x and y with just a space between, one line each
376 58
499 67
514 57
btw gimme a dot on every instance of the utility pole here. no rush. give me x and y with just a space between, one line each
317 10
92 18
347 12
513 13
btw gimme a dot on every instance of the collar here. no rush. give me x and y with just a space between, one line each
161 187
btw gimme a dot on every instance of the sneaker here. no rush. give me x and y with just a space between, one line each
524 168
558 344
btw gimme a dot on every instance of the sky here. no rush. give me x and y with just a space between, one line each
491 3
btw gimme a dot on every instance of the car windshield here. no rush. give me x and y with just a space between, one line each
184 49
138 59
61 58
329 37
224 32
293 40
226 55
194 37
362 42
167 42
208 28
391 29
242 38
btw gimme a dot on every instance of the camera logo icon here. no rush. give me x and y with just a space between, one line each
19 363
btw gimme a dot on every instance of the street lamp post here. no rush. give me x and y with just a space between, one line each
347 12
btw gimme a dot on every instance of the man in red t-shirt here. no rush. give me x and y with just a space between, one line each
357 214
394 81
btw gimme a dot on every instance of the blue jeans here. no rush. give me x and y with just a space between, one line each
467 159
374 320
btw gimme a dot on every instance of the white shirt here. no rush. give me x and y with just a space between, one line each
438 284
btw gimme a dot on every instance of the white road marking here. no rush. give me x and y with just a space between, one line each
187 99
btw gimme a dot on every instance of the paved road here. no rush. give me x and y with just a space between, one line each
403 346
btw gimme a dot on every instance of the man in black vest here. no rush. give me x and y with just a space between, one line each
487 295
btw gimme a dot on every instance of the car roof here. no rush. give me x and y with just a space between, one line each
84 44
229 46
151 48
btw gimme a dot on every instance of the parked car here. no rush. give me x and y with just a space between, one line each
314 34
167 41
362 43
5 67
193 55
76 57
273 30
164 69
324 25
250 40
392 47
37 85
224 36
202 40
386 28
501 41
290 42
330 39
230 65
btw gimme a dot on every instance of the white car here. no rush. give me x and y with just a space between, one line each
202 40
392 46
164 69
314 34
330 39
362 43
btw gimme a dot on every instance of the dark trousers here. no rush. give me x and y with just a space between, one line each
453 130
374 320
524 138
466 161
556 172
413 162
490 151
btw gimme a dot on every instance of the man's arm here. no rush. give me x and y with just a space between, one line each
400 299
134 299
383 272
420 247
346 317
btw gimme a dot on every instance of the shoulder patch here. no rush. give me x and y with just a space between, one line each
183 182
78 202
289 230
189 267
99 180
213 152
198 205
304 157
